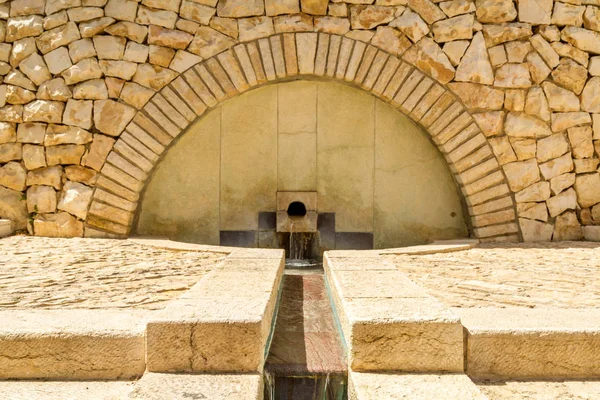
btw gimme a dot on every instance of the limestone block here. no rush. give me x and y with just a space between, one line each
581 38
168 37
129 30
475 65
56 19
6 228
114 87
590 97
109 47
514 100
521 174
570 75
17 78
427 10
136 52
498 55
13 176
563 121
254 28
591 18
81 174
160 56
94 27
152 16
120 69
75 199
99 149
11 113
562 182
80 14
51 176
457 7
591 233
556 167
293 23
94 89
8 132
535 12
501 33
535 211
43 111
31 132
560 99
586 165
13 207
58 60
227 26
197 12
566 200
513 76
34 156
428 57
567 14
581 141
124 10
525 126
495 11
520 343
314 7
78 113
153 76
83 70
588 189
241 8
183 61
111 117
567 227
61 134
502 149
390 40
411 24
277 7
81 49
57 37
369 16
136 95
21 27
64 154
456 28
455 50
17 95
35 69
476 96
24 7
525 149
21 49
552 147
41 199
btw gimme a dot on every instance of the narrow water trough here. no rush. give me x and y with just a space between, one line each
306 358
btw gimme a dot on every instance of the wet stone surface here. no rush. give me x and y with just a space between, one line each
49 273
548 275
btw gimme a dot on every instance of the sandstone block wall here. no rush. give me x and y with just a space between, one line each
94 91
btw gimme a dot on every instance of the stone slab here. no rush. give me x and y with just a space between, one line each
543 390
6 228
154 386
439 246
65 390
507 343
372 386
221 324
72 344
396 327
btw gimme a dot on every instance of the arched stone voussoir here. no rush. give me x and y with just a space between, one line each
306 55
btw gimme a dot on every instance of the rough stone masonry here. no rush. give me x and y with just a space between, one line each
93 91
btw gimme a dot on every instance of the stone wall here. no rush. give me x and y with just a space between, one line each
94 91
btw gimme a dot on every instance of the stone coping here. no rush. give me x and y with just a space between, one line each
517 343
438 246
233 308
389 323
72 344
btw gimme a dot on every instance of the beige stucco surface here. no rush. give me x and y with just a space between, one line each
368 163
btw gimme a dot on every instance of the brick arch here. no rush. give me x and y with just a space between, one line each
289 56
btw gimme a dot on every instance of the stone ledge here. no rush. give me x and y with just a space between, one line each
73 344
396 327
223 323
438 246
507 343
372 386
6 228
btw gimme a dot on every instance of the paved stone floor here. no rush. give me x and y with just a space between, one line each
555 275
541 390
55 273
